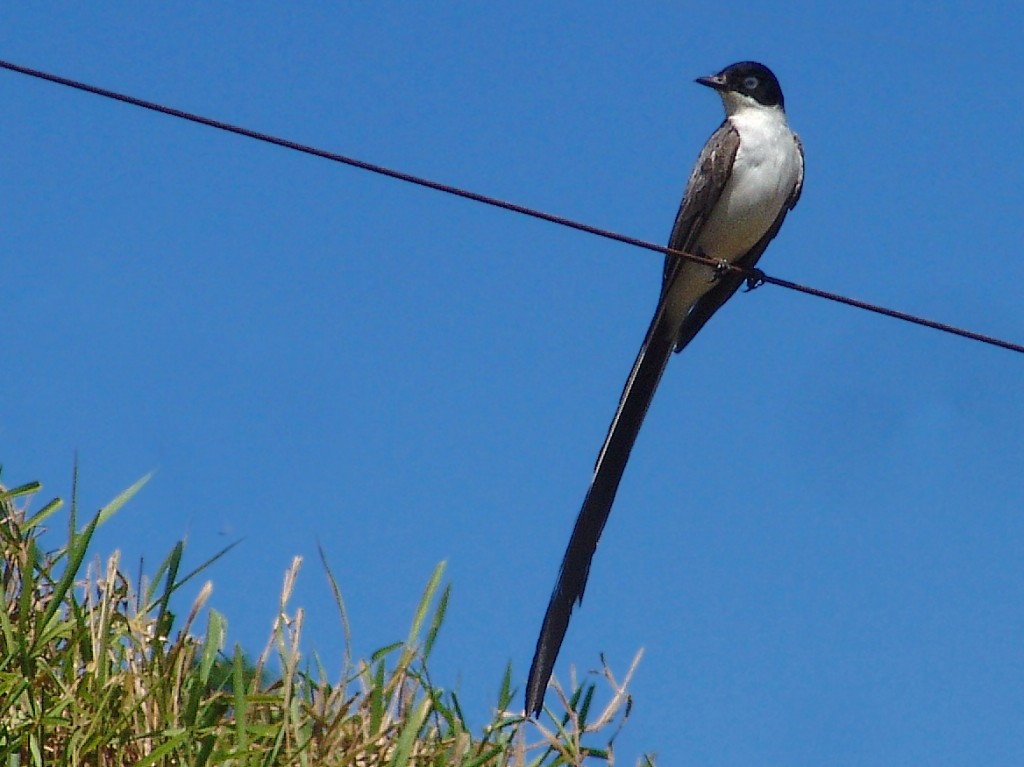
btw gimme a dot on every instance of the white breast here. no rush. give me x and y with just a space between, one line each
765 171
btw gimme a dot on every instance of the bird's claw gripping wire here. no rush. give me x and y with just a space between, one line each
722 268
755 279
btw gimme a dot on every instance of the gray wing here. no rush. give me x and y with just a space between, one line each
727 284
708 179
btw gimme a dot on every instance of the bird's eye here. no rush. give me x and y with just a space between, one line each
750 83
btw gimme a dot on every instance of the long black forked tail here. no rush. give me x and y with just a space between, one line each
611 462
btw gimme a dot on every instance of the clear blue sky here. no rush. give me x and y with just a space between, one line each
820 537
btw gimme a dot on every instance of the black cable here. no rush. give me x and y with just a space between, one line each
754 276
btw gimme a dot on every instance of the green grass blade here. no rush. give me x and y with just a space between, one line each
216 631
123 497
407 737
43 514
241 703
156 756
76 553
424 605
436 620
505 693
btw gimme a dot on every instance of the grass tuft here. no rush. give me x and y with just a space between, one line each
97 671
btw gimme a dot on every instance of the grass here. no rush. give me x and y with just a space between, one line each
98 670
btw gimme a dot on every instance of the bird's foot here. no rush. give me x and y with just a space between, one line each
755 279
722 268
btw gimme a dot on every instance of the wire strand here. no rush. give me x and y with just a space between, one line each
754 277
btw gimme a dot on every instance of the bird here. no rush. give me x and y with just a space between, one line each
748 176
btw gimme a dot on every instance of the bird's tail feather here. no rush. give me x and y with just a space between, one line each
611 463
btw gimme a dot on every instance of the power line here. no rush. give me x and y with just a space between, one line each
754 277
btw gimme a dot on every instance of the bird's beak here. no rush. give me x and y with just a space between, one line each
714 81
